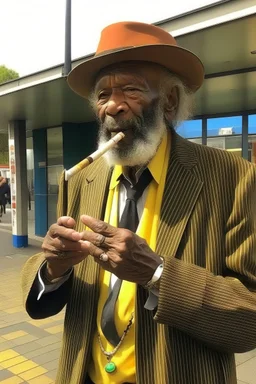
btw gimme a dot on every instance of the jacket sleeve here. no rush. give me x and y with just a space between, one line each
218 310
53 302
50 303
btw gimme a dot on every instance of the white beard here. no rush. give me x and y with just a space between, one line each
140 153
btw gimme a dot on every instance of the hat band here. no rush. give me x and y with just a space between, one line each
113 50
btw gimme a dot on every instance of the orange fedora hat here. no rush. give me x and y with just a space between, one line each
134 41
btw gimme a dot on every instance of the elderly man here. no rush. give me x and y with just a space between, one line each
154 249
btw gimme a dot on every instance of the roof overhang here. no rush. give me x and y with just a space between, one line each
223 37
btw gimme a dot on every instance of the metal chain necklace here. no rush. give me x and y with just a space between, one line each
110 367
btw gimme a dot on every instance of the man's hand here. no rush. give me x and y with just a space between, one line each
129 256
63 247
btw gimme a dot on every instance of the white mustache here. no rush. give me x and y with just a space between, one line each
110 123
114 125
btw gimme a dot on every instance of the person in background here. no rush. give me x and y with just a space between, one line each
2 180
154 250
4 189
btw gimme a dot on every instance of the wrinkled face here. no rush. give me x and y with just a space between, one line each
127 98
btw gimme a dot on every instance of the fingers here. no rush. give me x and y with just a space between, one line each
97 239
64 256
59 264
66 221
62 236
98 226
101 256
64 239
59 230
92 249
63 245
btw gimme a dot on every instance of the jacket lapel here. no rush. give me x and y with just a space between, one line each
182 189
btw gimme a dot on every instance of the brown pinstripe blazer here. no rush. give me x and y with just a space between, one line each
207 301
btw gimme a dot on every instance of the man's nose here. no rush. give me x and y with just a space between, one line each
116 103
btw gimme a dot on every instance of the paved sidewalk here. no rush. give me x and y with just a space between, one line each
29 349
6 222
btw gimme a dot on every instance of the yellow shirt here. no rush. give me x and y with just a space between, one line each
124 358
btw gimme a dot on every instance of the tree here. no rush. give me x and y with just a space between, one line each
4 151
7 74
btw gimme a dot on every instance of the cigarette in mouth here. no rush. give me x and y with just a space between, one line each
94 156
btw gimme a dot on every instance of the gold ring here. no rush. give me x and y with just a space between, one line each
103 257
102 241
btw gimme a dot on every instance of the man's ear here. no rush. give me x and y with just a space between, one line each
171 103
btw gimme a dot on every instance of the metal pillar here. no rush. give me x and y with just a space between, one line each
204 131
67 62
41 192
18 182
245 137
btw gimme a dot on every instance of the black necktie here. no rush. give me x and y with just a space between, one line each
129 220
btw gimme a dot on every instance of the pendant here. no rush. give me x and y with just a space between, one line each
110 367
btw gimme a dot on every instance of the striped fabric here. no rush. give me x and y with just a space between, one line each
207 301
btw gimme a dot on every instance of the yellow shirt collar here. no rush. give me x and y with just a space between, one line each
155 166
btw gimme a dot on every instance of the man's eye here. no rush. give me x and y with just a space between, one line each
102 95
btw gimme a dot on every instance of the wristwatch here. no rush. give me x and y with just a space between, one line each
154 282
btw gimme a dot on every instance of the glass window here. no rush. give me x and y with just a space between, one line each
252 148
225 133
54 146
53 174
252 124
190 129
54 169
228 143
224 126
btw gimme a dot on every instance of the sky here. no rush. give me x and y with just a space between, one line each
32 32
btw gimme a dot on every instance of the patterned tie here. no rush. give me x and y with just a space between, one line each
129 220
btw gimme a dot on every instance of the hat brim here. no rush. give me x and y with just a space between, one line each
177 60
